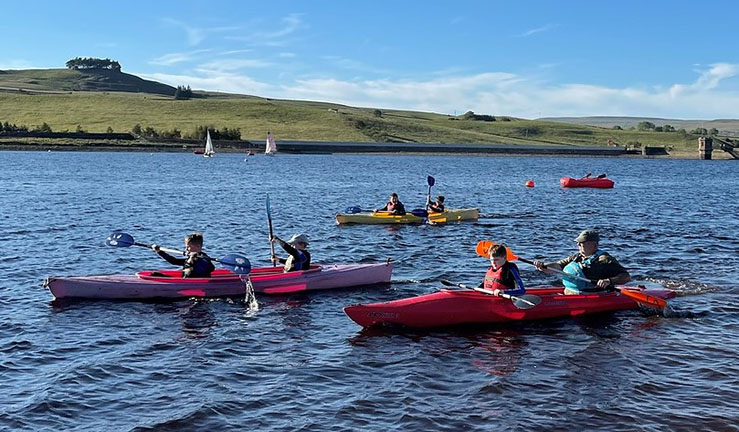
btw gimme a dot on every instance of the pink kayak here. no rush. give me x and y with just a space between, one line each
455 307
222 283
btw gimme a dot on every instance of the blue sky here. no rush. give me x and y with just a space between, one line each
672 59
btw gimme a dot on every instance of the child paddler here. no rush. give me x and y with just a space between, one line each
299 258
436 206
196 264
393 206
502 276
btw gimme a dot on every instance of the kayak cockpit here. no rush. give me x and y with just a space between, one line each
223 275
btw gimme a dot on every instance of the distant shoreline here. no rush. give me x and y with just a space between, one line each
324 147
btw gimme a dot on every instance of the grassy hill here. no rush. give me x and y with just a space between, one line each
725 126
66 99
65 80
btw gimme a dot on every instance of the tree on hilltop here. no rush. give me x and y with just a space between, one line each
183 92
87 63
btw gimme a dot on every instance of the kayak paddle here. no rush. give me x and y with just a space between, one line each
525 301
431 181
483 247
236 263
271 233
419 212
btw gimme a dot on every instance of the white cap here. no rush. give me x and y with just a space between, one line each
298 238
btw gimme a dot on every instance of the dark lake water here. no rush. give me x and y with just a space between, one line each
298 363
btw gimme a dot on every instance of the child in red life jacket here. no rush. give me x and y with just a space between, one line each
503 275
393 206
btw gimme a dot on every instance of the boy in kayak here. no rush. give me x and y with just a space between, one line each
437 206
591 263
502 276
299 258
393 206
197 264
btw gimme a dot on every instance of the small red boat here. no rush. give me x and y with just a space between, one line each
455 307
587 182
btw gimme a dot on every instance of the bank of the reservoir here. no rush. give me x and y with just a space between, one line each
314 147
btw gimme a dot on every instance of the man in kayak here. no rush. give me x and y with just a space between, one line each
196 264
437 206
299 258
590 263
502 276
393 206
600 176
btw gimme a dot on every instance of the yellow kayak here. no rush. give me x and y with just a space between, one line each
451 215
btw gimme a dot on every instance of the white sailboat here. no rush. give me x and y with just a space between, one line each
271 148
209 151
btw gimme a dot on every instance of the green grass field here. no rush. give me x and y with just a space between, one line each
45 97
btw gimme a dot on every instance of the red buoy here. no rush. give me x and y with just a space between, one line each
529 183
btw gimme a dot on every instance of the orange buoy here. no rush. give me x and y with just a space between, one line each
529 183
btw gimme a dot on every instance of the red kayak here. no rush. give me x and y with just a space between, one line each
588 182
454 307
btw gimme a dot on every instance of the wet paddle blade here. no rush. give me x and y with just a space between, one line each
645 299
431 181
483 249
236 263
120 239
526 301
420 213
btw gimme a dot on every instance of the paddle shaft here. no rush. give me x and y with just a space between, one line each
430 180
271 233
489 292
172 251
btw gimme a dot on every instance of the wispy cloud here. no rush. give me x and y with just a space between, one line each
175 58
221 82
351 64
195 35
534 31
498 93
708 80
290 24
286 27
230 65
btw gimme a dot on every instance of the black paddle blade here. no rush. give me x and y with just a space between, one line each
236 263
353 210
119 239
431 181
420 213
526 301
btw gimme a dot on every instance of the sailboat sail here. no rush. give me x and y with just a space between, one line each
271 147
209 152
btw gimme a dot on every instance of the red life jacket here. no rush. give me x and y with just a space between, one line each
390 206
500 279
